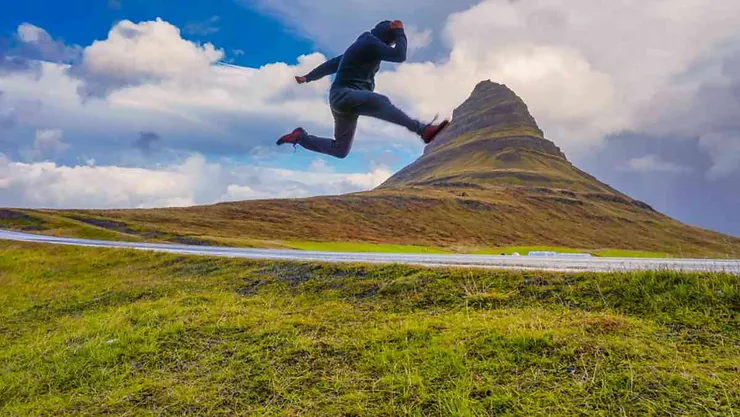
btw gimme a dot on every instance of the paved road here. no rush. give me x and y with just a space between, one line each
565 264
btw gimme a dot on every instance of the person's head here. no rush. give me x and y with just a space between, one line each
385 32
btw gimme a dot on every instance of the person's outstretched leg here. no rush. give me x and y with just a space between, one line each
367 103
339 147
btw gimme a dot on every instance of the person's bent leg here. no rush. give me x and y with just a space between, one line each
344 134
380 107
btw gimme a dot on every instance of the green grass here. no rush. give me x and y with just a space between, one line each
615 253
94 331
362 247
607 253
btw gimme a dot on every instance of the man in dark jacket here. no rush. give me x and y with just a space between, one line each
352 93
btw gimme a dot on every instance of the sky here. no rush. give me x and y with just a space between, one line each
150 103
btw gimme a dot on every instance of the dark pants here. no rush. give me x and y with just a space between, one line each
347 105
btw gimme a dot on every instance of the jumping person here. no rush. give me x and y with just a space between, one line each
352 93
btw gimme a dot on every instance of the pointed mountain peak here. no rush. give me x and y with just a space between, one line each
494 141
494 110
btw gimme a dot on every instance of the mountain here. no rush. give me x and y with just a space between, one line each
494 141
490 180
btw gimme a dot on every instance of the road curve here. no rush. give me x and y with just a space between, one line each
562 264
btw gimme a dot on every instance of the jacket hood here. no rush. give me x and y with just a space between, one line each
384 32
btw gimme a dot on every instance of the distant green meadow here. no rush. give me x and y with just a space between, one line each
522 250
88 331
362 247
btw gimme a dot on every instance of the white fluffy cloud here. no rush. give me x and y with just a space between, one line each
155 81
192 181
135 54
49 185
587 69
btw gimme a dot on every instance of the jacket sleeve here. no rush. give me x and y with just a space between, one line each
391 54
327 68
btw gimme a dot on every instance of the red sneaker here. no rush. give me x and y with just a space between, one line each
292 137
430 132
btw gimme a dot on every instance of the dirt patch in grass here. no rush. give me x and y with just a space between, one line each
12 219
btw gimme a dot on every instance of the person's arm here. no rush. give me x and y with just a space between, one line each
391 54
327 68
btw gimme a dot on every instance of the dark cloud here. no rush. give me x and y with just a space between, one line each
689 196
206 27
147 141
694 128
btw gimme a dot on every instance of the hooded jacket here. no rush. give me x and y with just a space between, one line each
357 67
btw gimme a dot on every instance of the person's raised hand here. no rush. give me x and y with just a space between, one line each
301 80
396 24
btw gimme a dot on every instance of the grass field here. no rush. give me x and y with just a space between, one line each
362 247
95 331
78 225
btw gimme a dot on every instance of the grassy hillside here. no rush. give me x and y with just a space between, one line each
102 332
436 218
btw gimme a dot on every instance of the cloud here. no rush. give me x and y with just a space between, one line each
261 183
48 185
204 28
586 70
137 54
223 110
47 144
13 112
12 64
115 4
725 151
334 24
36 44
192 181
320 165
49 140
29 45
200 105
378 175
652 163
420 38
704 104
